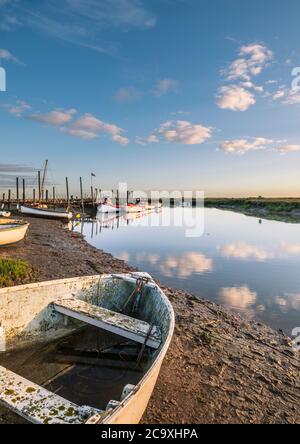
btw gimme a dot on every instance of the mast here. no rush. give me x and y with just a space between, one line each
44 178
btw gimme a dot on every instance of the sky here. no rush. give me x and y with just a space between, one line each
161 94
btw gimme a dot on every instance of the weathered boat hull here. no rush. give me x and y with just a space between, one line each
44 213
12 232
36 324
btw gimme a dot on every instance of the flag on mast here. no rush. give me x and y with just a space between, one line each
93 174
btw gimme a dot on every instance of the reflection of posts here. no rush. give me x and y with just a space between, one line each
296 341
2 79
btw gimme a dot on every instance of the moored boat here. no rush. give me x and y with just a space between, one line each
12 231
99 344
109 208
5 214
46 213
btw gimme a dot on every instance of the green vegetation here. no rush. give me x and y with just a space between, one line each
285 209
13 272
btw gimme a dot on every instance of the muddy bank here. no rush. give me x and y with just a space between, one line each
220 368
284 210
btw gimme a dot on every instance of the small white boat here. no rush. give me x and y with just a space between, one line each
109 208
12 231
5 214
76 331
47 213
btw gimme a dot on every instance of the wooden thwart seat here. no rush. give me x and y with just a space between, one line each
120 324
36 404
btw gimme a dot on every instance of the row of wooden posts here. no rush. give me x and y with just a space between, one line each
44 197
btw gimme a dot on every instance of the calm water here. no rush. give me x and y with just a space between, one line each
249 265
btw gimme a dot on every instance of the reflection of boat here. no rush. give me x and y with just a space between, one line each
86 332
111 208
47 213
12 231
5 214
108 220
134 208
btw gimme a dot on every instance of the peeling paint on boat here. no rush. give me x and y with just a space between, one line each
27 317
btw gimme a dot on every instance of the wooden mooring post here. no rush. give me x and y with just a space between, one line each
67 189
39 184
9 199
24 192
17 190
81 196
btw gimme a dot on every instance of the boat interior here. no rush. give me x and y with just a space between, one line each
74 349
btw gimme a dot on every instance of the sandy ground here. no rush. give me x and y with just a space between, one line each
220 368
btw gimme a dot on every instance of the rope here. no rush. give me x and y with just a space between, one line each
140 284
144 345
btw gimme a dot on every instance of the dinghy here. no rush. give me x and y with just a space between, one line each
86 350
5 214
109 208
12 231
47 213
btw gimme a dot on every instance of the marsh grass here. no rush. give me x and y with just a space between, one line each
13 272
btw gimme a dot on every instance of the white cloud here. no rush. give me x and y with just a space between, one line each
86 127
238 297
182 131
18 109
54 118
128 13
127 95
235 98
82 134
240 96
83 22
288 149
6 55
146 141
293 98
89 126
253 59
165 86
291 248
288 302
185 265
242 146
245 251
8 22
279 94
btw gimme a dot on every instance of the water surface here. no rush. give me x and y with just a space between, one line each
241 262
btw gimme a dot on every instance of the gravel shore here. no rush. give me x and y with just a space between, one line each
220 368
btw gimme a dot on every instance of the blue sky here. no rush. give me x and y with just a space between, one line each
162 94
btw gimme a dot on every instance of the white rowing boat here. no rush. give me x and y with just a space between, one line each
5 214
109 208
64 322
46 213
12 231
